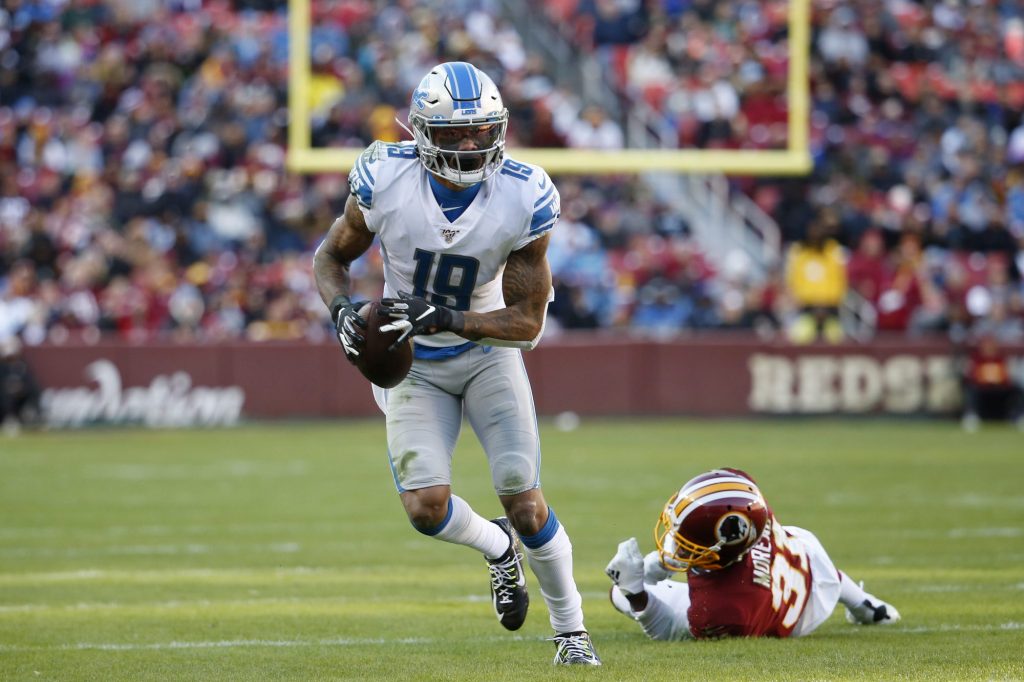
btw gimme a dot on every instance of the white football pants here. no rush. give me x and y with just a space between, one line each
424 416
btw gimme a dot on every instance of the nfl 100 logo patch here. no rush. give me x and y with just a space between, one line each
449 234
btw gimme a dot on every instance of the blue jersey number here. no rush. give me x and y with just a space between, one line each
454 277
401 151
516 170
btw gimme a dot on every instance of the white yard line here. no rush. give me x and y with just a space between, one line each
964 587
212 575
221 644
408 641
149 550
38 532
987 532
925 629
172 604
164 605
238 643
183 472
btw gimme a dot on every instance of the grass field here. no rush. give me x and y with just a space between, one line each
281 552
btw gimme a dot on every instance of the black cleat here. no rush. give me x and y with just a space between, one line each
508 584
575 648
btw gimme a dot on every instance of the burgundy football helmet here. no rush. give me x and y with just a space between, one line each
711 522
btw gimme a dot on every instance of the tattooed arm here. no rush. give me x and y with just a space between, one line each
347 239
526 286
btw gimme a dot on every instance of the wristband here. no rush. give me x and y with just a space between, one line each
337 303
458 322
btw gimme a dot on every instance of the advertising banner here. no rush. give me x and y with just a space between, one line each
723 375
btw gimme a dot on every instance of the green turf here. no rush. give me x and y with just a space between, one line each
281 552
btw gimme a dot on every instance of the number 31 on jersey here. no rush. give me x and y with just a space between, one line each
789 573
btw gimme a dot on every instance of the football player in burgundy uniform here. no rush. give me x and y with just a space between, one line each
746 574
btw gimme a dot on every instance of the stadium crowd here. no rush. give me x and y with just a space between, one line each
916 198
143 190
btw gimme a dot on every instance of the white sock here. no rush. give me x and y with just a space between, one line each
465 527
850 593
552 564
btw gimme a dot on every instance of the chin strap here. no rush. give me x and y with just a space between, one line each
405 128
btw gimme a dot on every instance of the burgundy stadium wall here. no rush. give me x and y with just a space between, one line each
720 375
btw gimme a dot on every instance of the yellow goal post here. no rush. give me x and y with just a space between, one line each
795 159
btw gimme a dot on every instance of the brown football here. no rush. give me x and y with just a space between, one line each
383 367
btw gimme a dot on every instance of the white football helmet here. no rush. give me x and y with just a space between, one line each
458 121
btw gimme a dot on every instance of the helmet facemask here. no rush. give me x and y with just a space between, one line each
463 152
679 554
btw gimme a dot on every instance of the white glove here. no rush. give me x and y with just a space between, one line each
626 569
654 570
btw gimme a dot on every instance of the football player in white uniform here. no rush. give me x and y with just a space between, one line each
463 236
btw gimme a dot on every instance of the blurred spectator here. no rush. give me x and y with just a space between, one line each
570 308
990 391
816 280
907 300
842 42
16 301
593 130
867 269
662 310
19 391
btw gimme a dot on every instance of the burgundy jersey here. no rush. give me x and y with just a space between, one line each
761 595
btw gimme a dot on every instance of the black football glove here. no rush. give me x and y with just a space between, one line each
413 316
347 324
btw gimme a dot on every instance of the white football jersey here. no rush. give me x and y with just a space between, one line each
452 263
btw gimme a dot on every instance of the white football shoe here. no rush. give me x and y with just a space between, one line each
575 648
872 611
626 569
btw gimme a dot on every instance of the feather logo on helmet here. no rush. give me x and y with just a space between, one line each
735 528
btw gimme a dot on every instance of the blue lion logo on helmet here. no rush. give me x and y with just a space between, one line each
419 97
